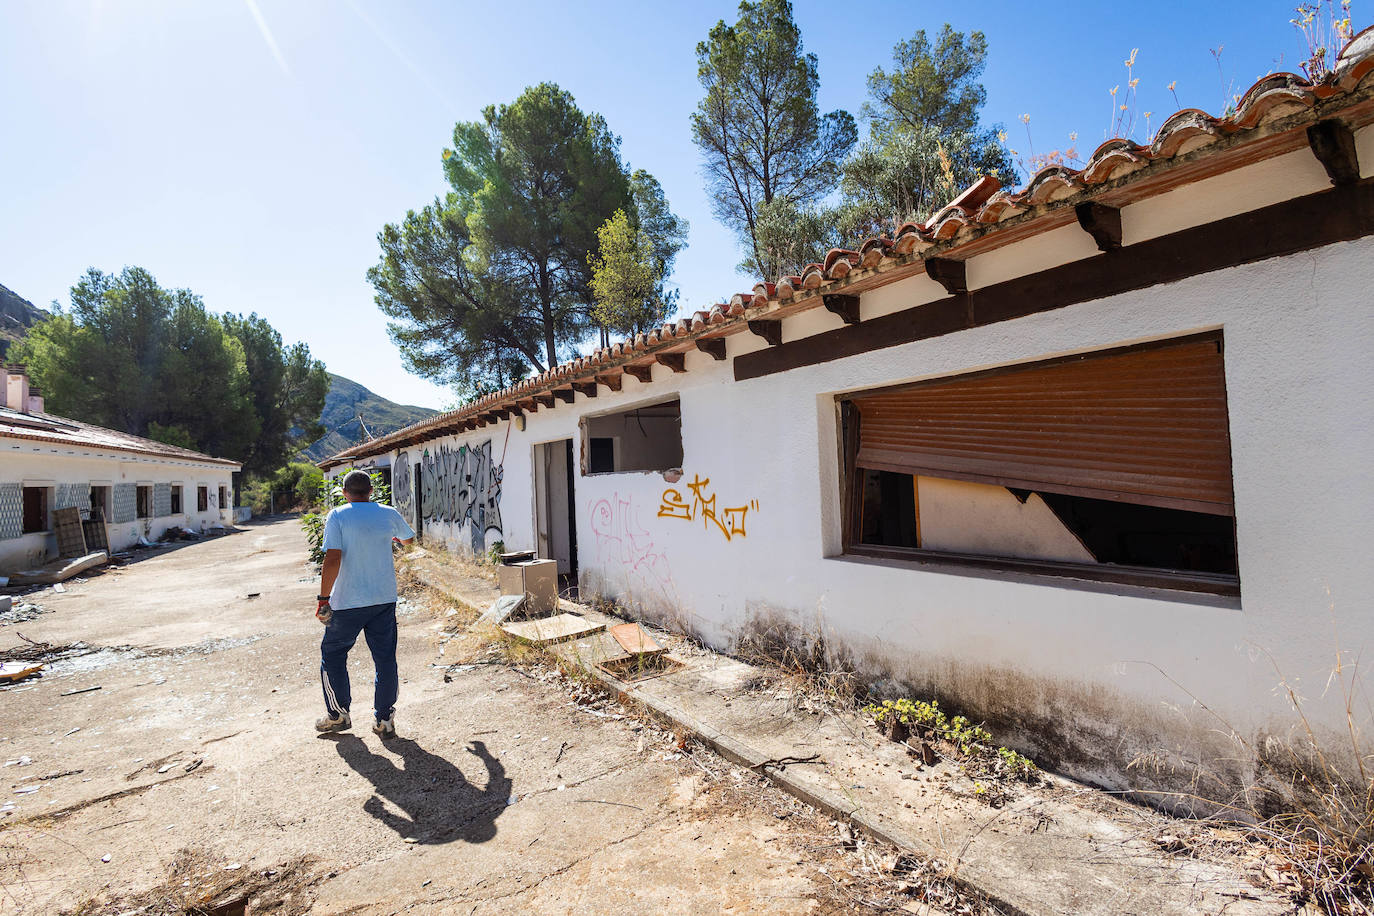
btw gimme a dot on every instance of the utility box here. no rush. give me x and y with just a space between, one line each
537 579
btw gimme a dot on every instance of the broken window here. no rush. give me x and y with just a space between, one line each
145 502
176 499
1111 465
202 499
645 438
36 509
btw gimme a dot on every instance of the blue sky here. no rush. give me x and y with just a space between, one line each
251 149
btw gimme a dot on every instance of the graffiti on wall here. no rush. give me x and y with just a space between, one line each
621 539
461 486
402 489
728 520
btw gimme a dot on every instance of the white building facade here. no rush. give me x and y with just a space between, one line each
1089 462
139 486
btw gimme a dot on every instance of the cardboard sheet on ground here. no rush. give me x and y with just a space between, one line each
553 629
503 609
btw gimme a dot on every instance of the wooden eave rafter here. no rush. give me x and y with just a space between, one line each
674 361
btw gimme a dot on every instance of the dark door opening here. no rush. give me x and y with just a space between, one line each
556 510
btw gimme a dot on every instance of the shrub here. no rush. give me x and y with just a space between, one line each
973 743
330 494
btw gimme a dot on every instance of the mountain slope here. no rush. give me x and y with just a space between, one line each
346 401
17 315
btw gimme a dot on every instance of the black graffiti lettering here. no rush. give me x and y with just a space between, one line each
458 486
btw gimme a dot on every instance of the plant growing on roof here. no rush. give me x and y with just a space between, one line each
759 128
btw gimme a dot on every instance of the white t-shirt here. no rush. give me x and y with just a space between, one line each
363 531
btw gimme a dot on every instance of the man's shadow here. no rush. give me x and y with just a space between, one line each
440 804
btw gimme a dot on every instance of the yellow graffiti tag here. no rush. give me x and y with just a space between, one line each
730 521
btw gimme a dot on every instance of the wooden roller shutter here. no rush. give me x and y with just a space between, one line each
1140 425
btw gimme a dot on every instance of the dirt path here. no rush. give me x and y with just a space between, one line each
194 772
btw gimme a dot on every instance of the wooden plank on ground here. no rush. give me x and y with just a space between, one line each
635 640
549 630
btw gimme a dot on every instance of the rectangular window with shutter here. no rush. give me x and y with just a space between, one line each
1113 465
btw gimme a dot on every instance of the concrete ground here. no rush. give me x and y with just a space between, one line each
193 776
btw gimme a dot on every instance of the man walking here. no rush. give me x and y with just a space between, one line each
358 595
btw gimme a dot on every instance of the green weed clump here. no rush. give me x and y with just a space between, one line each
972 743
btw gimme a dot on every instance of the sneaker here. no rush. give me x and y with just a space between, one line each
336 723
386 727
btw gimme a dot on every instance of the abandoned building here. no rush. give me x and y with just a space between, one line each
139 487
1088 461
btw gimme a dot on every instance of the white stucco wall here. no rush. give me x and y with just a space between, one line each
1086 676
28 462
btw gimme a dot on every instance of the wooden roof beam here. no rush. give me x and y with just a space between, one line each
847 307
565 395
949 273
675 361
1333 143
1102 222
769 329
644 373
712 346
586 389
611 380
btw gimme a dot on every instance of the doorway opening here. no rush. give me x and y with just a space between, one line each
556 511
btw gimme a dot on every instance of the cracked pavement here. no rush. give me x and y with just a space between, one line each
200 744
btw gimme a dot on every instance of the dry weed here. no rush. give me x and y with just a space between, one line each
201 883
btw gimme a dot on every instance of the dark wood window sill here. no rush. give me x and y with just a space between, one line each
1200 583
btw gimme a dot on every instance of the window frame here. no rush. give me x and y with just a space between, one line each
178 499
47 491
202 498
141 504
585 437
1064 572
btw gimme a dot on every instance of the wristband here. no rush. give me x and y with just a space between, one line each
322 598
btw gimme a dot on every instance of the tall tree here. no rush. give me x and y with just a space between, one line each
493 280
759 126
452 322
925 141
634 256
133 356
287 387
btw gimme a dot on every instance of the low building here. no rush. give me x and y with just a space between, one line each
1088 461
138 486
